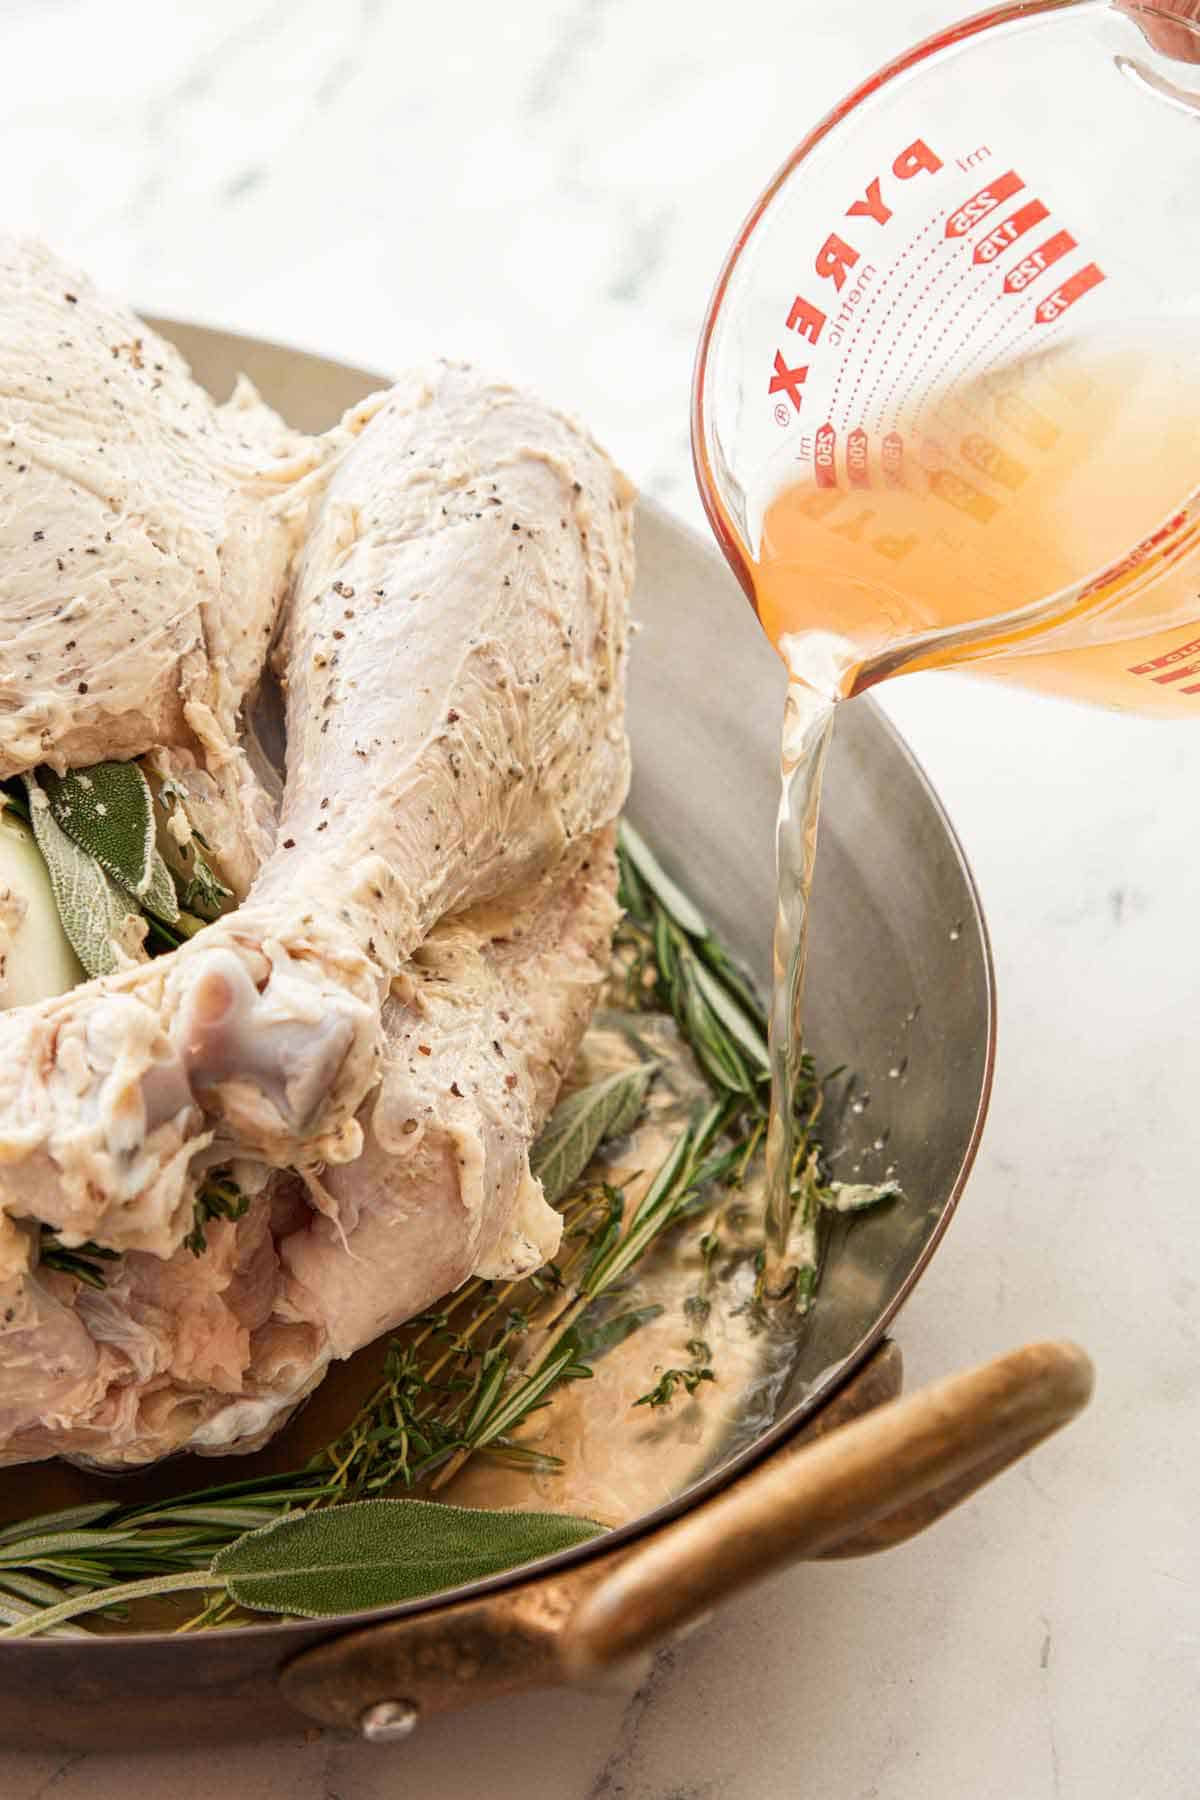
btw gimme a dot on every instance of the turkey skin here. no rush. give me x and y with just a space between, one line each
371 1040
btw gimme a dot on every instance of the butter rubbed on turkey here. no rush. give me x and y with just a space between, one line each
373 1039
213 1353
145 537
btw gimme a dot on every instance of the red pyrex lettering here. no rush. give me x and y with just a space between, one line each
857 466
1038 261
1082 282
1170 656
998 239
1173 666
1192 668
982 204
837 256
1134 560
825 457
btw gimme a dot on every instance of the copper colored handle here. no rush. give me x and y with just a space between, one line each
868 1471
874 1481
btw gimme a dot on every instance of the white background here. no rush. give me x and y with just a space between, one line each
549 186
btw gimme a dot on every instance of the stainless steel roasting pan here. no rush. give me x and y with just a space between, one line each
900 977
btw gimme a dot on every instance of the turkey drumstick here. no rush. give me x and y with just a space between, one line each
454 666
213 1352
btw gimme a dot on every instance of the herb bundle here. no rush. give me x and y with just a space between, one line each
97 831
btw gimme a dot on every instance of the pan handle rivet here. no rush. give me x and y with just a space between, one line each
387 1721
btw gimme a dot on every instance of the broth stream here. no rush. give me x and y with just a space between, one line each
1039 525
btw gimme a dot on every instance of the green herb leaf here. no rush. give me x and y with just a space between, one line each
578 1127
684 912
663 1392
219 1198
594 1339
160 897
95 913
40 1547
204 893
382 1552
733 1017
81 1261
201 891
108 811
660 1204
845 1196
509 1409
71 1518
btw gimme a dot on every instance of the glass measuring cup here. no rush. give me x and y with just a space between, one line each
947 398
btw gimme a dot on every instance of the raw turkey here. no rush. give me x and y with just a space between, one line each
453 655
145 540
212 1353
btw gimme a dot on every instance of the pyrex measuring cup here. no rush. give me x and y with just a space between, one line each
947 399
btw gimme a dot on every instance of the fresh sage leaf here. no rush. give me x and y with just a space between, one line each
108 811
201 890
160 897
577 1127
381 1552
96 916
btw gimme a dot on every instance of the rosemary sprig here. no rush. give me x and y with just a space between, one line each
678 966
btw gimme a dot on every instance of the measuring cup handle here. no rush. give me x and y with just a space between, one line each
864 1485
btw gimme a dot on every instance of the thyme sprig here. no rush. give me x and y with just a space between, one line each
689 1379
218 1197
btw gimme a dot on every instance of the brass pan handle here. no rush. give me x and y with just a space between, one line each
868 1471
859 1488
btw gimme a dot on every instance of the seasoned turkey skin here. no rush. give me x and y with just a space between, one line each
214 1353
146 536
480 1031
454 659
455 676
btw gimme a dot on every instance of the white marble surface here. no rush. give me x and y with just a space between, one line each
549 186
